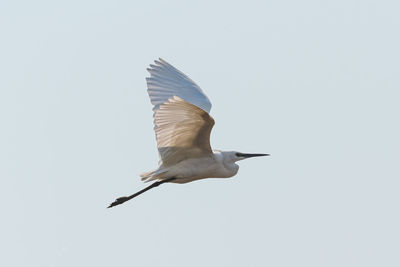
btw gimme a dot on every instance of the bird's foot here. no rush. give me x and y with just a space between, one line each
118 201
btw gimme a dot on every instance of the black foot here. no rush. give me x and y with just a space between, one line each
118 201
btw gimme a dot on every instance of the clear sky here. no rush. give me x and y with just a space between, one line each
314 83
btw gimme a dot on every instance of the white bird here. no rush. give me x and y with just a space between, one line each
183 125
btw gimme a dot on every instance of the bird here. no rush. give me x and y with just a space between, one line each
182 126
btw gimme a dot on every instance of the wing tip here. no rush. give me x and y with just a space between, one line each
163 61
158 64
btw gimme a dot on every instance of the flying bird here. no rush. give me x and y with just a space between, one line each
182 124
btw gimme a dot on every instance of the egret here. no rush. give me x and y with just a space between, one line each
182 124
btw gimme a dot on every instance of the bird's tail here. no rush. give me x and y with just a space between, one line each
152 175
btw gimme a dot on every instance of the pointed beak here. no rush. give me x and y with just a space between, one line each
246 155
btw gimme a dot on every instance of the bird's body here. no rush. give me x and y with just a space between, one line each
183 126
215 165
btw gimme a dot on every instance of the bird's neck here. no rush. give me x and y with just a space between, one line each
226 162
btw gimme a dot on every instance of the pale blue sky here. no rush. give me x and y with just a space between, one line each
314 83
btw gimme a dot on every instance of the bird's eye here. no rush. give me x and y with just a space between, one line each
237 154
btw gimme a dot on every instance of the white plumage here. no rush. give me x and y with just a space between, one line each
166 82
183 126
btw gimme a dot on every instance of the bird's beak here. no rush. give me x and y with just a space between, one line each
246 155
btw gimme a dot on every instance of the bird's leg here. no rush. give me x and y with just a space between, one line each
121 200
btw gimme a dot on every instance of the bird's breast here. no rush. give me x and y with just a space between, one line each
200 168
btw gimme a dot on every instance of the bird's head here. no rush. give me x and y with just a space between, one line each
234 156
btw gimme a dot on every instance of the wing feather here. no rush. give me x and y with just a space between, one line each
182 131
166 81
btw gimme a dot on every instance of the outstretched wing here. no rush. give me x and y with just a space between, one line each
166 82
182 122
182 131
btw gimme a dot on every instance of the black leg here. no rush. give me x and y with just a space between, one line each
121 200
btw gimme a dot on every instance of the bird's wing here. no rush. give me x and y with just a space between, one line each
182 131
166 82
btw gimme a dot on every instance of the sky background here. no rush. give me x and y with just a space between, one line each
314 83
